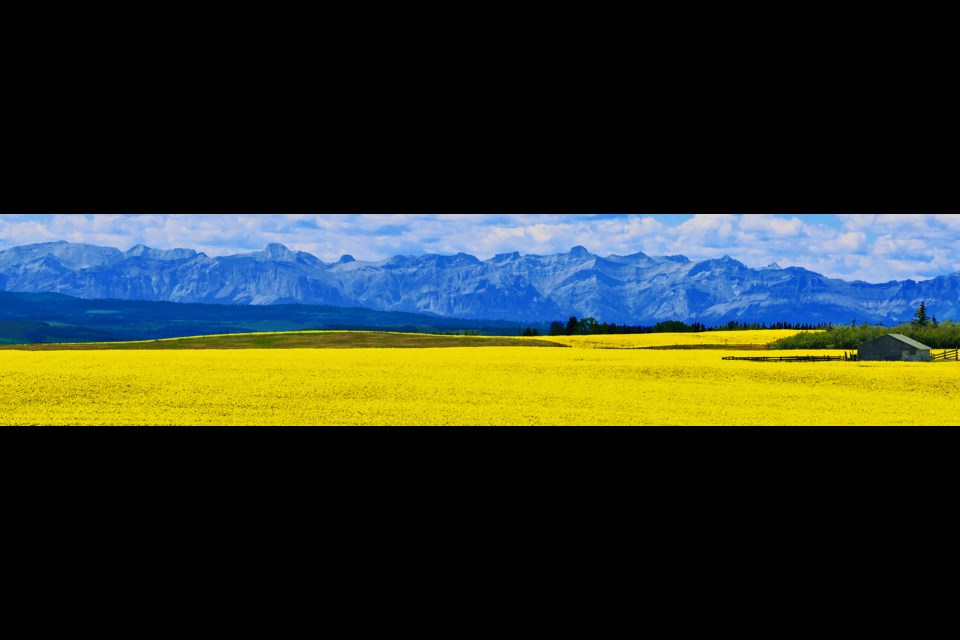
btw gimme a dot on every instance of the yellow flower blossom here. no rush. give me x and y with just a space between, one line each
463 386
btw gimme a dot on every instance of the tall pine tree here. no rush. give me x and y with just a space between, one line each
920 317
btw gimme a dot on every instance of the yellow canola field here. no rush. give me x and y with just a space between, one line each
462 386
639 341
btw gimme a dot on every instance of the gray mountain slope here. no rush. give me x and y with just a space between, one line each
630 289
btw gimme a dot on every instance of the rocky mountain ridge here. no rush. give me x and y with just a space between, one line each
631 289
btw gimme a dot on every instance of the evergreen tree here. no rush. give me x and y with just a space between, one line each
920 317
588 326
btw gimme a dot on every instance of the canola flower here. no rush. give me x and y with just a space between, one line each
462 386
646 340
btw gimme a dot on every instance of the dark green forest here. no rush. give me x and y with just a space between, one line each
945 335
31 318
590 326
924 329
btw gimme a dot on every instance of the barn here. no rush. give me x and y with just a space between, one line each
894 346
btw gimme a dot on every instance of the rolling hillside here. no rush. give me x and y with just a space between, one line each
51 318
298 340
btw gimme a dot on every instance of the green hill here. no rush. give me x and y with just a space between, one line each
49 317
299 340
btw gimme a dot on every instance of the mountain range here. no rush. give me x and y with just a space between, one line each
630 289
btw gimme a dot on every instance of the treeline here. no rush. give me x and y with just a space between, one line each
590 326
944 335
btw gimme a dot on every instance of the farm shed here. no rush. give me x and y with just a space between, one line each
894 346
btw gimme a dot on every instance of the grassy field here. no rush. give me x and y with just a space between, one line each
500 385
707 340
298 340
385 340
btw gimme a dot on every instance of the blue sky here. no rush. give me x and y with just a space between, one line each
871 247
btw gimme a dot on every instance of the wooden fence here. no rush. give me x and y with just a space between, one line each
843 358
949 354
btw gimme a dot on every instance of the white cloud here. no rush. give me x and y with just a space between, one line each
845 243
772 226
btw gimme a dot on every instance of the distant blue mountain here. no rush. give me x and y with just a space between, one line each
631 289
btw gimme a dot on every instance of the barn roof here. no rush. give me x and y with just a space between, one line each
904 339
